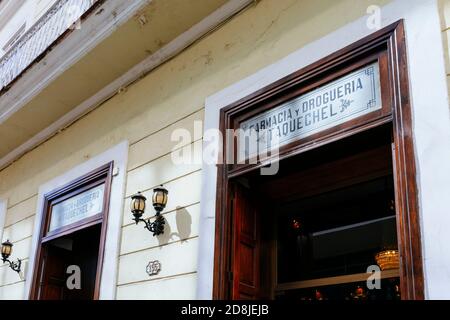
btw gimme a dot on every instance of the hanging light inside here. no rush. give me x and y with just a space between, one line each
387 259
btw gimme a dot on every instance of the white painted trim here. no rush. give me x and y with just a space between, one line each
7 10
76 45
431 132
171 49
118 154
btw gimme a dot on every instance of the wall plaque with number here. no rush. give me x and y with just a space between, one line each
84 205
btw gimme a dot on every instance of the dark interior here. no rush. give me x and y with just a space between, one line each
327 213
336 233
80 248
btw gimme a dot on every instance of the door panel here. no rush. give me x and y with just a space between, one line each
78 249
53 283
246 258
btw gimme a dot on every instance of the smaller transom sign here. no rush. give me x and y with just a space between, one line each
346 98
84 205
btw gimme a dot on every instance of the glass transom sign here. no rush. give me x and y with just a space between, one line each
342 100
84 205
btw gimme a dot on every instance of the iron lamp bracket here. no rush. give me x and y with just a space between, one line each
14 265
157 226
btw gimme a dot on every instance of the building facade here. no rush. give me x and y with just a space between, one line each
105 99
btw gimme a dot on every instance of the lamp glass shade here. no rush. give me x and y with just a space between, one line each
160 198
138 203
6 249
388 259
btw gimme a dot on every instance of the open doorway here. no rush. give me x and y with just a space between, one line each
69 257
80 250
342 131
312 231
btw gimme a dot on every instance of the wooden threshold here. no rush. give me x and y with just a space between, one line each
358 277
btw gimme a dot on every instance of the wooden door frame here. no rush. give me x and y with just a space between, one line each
390 40
96 177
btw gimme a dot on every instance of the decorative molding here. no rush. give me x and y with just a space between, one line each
153 268
165 53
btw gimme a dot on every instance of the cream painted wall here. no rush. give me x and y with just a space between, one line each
170 97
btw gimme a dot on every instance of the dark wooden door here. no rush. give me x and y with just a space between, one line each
246 245
84 253
53 285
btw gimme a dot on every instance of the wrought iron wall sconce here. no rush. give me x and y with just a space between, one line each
159 200
6 252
